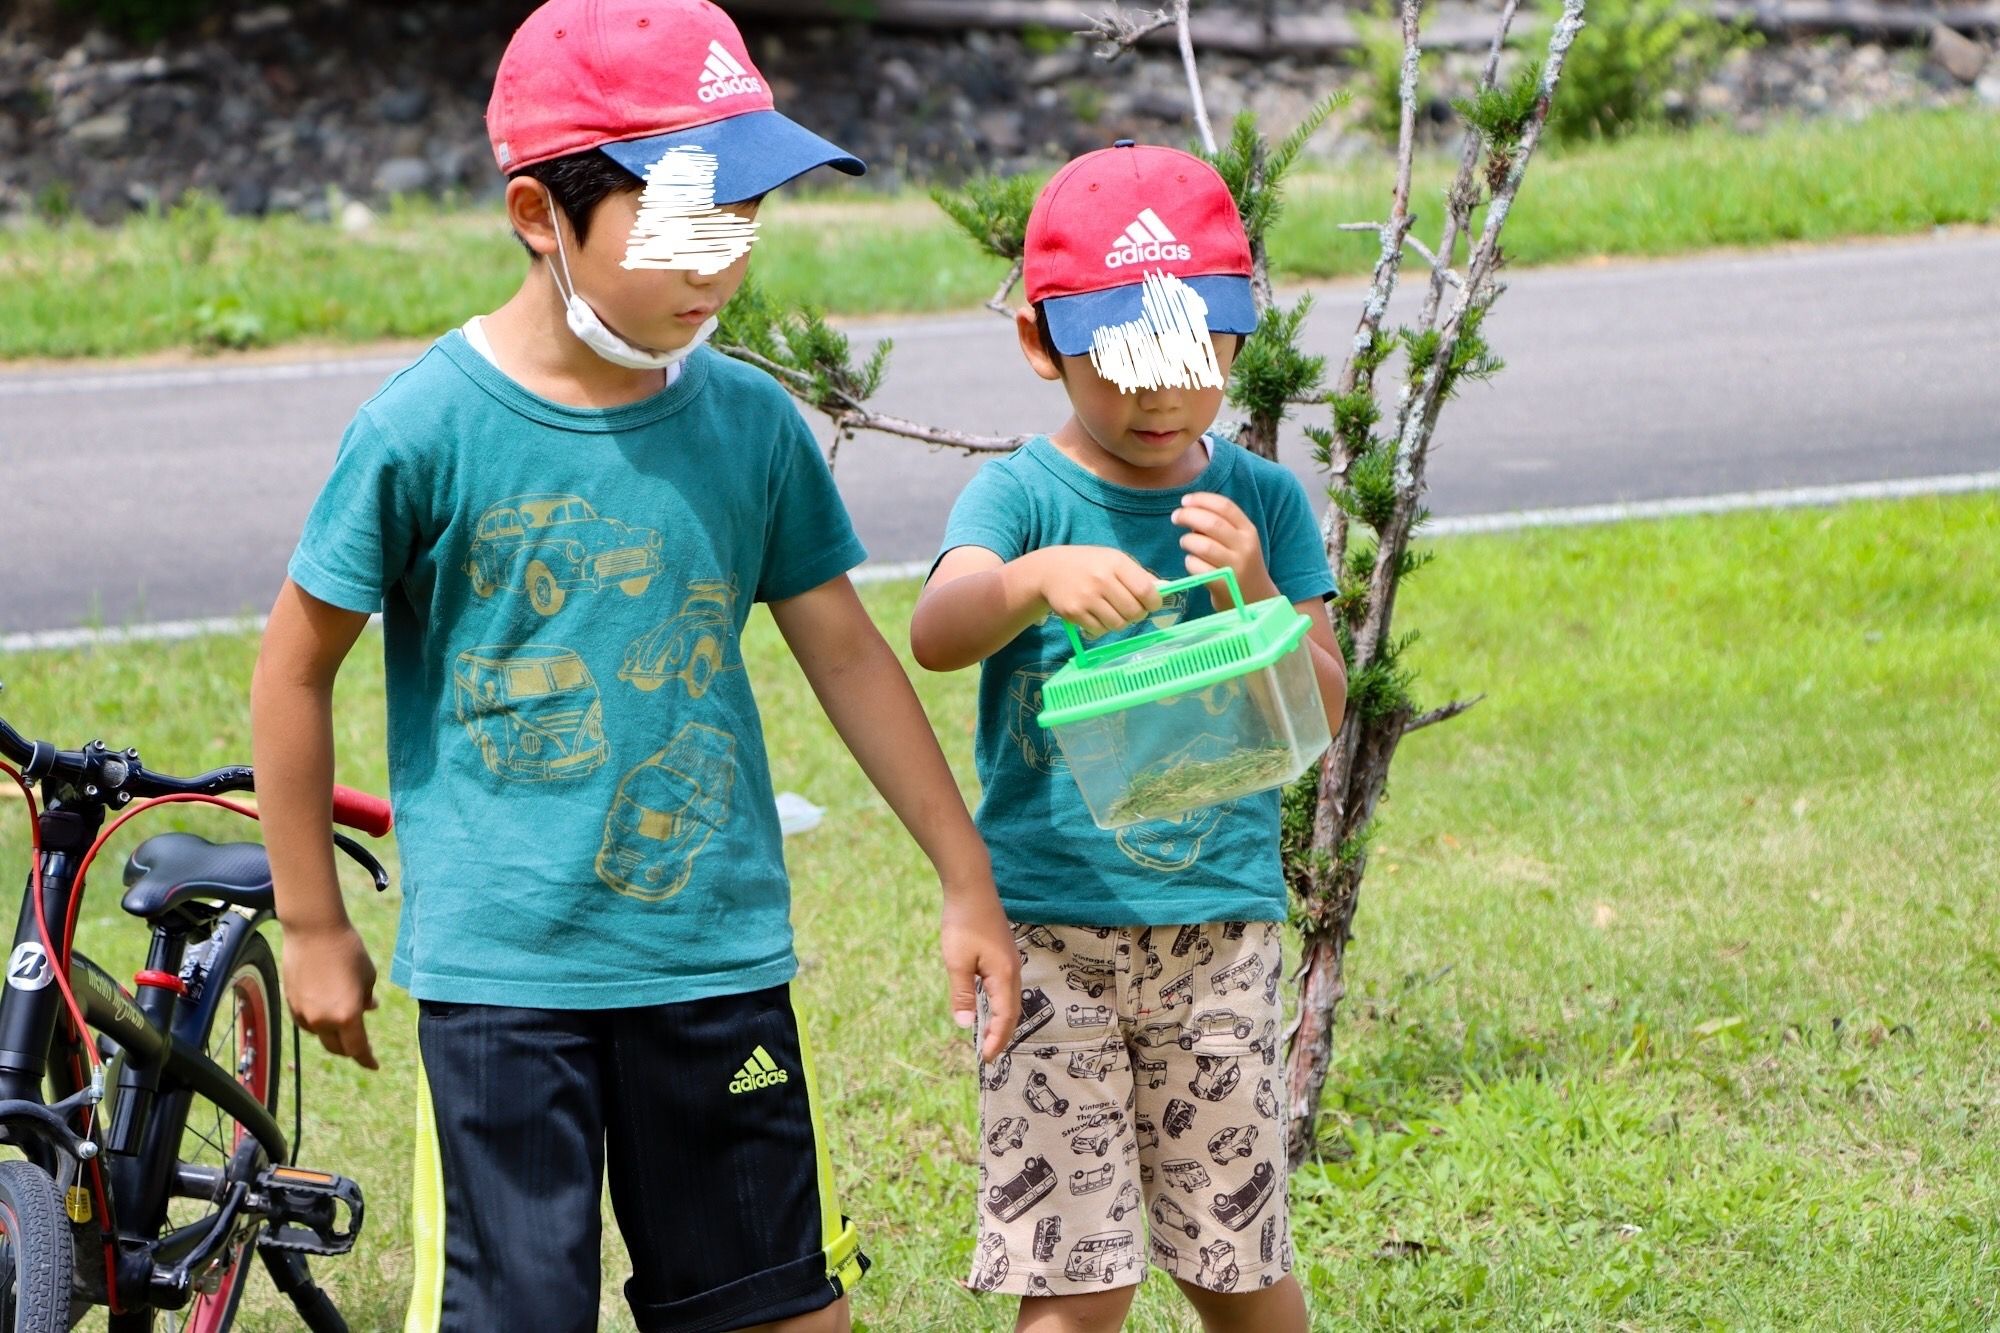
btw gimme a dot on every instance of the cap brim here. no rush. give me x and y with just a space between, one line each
1075 320
755 153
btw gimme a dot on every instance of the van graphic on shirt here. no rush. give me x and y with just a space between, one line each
665 811
532 711
1034 743
547 545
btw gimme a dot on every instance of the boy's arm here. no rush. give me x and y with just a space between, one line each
329 980
975 603
871 704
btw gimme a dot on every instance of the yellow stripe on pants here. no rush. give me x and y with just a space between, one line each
426 1218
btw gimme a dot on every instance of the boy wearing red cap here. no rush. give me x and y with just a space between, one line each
564 511
1140 1090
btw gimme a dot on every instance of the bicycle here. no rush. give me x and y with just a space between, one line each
155 1164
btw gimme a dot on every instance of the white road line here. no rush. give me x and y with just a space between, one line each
1797 497
35 384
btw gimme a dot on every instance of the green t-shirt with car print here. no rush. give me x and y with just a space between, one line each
583 806
1054 866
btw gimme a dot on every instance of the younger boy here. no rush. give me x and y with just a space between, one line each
564 512
1142 1082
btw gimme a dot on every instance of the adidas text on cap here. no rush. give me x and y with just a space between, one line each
638 79
1111 217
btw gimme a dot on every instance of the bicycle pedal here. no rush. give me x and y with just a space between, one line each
311 1212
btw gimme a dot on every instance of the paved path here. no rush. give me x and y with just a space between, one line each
137 496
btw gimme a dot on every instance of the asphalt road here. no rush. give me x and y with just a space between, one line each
176 492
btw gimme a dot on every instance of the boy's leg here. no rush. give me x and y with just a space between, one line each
720 1174
1094 1312
1210 1115
515 1101
1278 1308
1059 1197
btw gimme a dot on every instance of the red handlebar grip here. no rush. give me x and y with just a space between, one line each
359 810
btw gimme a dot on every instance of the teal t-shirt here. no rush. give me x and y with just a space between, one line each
1054 865
583 805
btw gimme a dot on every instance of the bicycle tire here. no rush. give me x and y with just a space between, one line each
251 1015
36 1258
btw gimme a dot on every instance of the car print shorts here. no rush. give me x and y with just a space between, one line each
1136 1115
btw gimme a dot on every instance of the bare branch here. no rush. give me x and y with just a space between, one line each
1438 271
1195 97
1383 284
1418 416
848 414
1115 34
999 304
1461 197
853 419
1437 715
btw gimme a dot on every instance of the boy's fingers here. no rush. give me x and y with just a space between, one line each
1139 581
1003 1012
354 1037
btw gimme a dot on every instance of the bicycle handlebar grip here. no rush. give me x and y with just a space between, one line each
359 810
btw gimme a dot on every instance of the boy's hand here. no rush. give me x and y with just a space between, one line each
1221 536
1096 588
329 984
978 943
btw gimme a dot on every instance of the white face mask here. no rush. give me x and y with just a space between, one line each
592 331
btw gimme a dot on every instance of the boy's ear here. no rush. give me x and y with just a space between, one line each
532 215
1028 330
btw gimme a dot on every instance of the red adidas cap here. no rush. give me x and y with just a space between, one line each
638 78
1110 217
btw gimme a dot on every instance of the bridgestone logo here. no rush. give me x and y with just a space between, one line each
723 76
1146 241
759 1071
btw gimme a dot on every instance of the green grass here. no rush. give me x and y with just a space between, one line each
1675 993
196 278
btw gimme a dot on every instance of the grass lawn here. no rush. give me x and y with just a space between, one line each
196 278
1675 992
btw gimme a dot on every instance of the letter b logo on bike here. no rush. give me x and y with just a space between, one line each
28 967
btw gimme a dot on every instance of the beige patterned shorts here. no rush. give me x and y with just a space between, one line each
1136 1114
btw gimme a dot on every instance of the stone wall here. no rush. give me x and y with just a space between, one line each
302 107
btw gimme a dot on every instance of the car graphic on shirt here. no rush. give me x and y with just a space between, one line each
665 811
693 646
531 710
547 545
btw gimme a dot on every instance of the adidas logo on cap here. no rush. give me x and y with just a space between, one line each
759 1071
1146 241
722 76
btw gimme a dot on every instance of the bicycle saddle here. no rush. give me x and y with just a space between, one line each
171 869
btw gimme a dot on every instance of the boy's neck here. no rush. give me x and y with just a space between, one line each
532 346
1076 444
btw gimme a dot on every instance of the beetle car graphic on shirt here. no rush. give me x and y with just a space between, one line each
546 545
532 710
665 812
693 646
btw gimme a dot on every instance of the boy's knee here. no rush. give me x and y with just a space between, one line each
834 1318
1085 1312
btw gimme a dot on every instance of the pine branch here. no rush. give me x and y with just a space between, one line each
1437 715
849 414
999 303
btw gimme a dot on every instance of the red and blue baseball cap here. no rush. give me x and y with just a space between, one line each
639 78
1110 217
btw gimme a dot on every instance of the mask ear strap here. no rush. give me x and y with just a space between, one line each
555 220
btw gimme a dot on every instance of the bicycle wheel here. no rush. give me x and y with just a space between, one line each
35 1254
243 1039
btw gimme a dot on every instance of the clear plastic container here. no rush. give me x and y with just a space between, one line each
1198 714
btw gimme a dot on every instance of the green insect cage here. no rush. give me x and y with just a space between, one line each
1200 713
